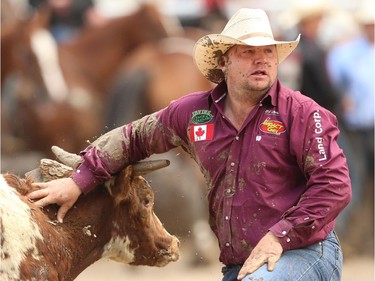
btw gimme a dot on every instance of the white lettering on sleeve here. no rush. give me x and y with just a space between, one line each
319 130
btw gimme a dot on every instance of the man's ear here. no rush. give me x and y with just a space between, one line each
221 61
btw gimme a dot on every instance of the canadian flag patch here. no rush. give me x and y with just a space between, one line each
201 132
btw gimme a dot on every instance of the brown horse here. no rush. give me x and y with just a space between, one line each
153 76
60 92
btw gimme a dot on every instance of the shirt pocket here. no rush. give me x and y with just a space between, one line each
270 148
271 162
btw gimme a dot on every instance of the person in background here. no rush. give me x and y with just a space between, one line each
313 79
67 16
277 178
351 68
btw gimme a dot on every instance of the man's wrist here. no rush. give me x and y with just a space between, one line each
84 178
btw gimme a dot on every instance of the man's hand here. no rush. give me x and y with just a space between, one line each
63 192
268 250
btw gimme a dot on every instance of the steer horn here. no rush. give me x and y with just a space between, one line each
67 158
49 170
139 168
143 168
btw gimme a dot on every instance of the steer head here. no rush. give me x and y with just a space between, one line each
121 217
145 239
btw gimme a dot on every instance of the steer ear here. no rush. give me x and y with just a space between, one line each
126 181
123 184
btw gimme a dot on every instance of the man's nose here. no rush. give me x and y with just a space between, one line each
260 59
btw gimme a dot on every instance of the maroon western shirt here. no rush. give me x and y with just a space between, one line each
282 172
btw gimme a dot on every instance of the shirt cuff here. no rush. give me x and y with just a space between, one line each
283 231
85 179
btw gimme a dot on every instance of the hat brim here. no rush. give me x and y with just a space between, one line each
209 49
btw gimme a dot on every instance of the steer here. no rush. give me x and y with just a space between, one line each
115 221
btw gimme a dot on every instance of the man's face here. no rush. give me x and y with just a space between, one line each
251 68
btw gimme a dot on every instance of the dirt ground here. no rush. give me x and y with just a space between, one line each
359 268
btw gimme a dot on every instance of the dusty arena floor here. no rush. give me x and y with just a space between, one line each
354 269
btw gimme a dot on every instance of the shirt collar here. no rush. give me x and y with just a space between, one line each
220 91
271 96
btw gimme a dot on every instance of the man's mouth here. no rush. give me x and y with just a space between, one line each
259 73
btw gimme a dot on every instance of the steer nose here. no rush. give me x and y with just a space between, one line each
176 241
175 249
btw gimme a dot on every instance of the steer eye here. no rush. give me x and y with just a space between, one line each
147 202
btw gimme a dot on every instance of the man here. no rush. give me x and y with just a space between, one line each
277 178
315 81
351 67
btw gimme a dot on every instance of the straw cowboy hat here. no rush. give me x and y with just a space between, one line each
302 10
246 27
365 14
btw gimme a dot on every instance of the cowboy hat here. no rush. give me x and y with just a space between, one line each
303 10
246 27
365 14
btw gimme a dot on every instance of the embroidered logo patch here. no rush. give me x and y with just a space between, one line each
272 127
201 116
201 132
271 112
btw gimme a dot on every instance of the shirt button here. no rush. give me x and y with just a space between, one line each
227 244
261 104
232 164
226 218
284 232
237 137
288 240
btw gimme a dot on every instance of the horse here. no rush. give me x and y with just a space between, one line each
60 91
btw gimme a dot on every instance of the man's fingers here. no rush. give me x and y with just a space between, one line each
40 185
62 212
250 267
37 194
272 262
42 202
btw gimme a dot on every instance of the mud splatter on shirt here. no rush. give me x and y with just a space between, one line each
282 172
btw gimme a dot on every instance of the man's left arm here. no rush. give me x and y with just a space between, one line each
328 189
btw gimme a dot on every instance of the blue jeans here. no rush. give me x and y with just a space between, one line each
318 262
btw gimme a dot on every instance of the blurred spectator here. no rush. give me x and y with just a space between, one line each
309 73
314 80
351 67
215 18
206 14
67 16
189 13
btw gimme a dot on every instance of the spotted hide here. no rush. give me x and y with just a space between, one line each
114 221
